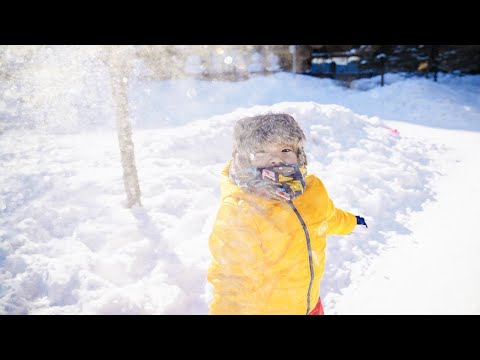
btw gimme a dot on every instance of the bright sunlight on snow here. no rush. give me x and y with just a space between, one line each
404 156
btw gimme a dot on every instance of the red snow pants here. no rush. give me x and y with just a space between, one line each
318 310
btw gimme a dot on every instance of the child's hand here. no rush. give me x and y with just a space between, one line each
361 221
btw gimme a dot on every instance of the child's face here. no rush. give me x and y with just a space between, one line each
273 154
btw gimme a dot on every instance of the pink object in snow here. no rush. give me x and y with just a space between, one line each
393 131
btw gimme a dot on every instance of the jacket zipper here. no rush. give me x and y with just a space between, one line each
309 247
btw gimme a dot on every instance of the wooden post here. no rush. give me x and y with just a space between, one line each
293 51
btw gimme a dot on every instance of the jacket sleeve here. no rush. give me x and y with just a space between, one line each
340 222
237 267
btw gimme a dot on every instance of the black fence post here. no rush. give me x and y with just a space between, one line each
333 69
382 68
381 57
433 61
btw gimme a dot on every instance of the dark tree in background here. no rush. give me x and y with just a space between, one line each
423 59
463 58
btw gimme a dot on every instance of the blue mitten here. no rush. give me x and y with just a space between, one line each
361 221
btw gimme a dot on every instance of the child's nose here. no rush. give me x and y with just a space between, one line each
275 160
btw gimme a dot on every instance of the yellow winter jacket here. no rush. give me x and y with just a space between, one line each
268 256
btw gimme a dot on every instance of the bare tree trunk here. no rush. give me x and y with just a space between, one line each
119 70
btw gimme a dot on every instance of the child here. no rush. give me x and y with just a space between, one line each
269 237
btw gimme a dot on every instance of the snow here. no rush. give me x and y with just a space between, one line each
431 269
403 156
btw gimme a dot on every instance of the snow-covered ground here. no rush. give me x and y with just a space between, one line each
431 269
69 246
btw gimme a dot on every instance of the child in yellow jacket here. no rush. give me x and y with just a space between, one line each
269 237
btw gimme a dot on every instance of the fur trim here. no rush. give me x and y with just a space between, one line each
251 133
